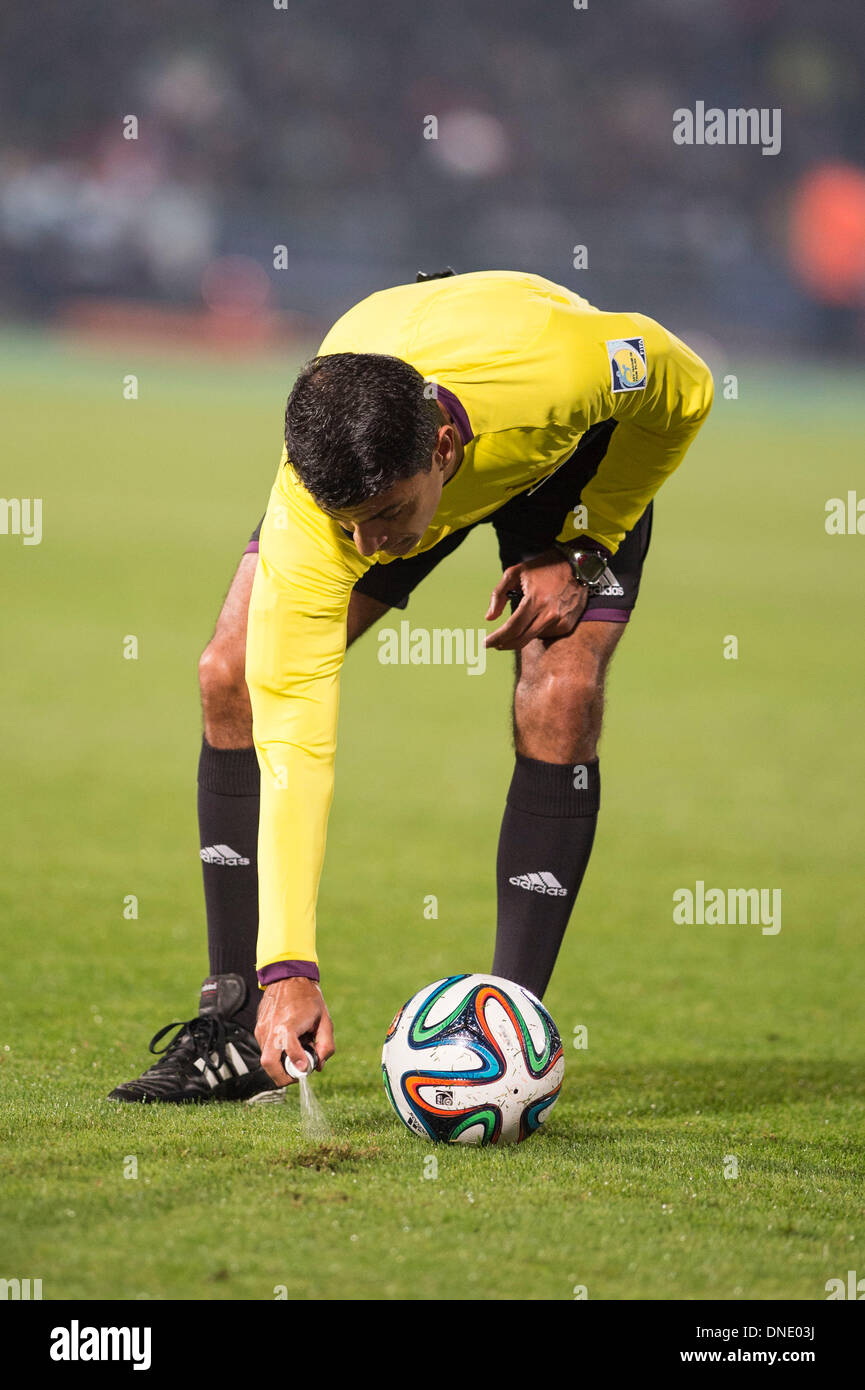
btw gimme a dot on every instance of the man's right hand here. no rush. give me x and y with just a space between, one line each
291 1010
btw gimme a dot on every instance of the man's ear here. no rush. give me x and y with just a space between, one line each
445 445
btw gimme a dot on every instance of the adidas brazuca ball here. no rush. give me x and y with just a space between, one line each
473 1060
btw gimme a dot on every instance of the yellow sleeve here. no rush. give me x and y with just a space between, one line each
656 421
295 650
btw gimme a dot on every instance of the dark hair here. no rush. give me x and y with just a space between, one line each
355 424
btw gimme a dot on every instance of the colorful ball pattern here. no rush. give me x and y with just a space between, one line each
473 1059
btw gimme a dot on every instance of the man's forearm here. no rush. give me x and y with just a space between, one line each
636 464
296 793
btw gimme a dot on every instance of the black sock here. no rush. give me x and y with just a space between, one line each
544 847
228 797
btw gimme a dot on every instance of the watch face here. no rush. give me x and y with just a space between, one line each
590 565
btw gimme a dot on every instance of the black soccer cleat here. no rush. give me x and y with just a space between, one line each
209 1058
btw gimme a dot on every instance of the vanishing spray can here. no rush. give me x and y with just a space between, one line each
292 1070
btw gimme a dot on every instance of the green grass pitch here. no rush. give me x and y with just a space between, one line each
705 1043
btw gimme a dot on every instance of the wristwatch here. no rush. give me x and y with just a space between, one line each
589 566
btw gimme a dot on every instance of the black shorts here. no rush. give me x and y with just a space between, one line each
526 526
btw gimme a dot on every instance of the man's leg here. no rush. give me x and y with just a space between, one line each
228 785
552 806
228 794
214 1056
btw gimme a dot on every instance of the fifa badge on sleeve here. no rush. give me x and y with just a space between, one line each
627 363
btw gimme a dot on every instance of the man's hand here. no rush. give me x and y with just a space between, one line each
291 1012
551 606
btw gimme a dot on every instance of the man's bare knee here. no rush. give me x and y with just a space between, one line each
221 676
363 612
557 718
222 668
224 695
559 695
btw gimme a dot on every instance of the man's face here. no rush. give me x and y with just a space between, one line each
394 521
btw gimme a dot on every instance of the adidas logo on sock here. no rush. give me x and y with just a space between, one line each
540 883
222 854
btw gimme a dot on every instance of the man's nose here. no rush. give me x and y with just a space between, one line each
369 539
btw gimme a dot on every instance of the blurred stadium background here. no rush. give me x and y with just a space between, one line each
303 128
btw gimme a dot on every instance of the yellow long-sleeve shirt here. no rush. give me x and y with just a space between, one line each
533 366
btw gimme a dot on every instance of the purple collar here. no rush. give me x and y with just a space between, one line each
457 411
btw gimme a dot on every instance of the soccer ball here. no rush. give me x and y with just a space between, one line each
473 1059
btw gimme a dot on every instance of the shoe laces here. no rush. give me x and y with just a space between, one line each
206 1034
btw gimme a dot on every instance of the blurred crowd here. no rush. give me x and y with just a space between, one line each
307 126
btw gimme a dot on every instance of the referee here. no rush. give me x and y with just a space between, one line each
462 400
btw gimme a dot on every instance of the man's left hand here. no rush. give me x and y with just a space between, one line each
551 606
